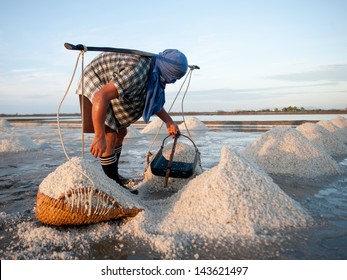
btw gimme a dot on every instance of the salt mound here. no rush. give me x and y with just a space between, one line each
4 123
233 199
286 151
69 177
193 123
12 142
153 127
183 153
5 126
133 132
328 125
323 138
338 132
16 143
339 121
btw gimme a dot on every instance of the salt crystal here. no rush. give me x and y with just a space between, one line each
323 138
45 242
287 151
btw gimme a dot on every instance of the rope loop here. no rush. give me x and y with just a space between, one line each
188 76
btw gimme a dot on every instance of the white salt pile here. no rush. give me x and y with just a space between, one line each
183 153
340 133
133 132
45 242
4 123
287 151
323 138
5 126
154 126
68 177
339 121
10 142
193 124
232 200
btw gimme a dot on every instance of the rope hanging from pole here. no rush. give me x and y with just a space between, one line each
59 127
188 76
82 104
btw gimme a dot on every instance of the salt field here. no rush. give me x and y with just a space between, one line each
270 193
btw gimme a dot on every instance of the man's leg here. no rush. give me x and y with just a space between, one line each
110 158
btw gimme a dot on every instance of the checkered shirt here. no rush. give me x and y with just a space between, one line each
129 73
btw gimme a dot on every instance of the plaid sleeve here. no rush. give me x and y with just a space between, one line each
131 75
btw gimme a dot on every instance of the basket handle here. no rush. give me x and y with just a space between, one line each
162 145
168 169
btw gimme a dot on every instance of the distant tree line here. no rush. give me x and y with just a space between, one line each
285 109
290 109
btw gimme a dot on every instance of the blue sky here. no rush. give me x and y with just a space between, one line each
252 54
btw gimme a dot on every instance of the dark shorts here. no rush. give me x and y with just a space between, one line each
88 126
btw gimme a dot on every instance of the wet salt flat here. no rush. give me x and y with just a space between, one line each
274 215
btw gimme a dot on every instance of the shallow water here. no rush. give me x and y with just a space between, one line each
23 237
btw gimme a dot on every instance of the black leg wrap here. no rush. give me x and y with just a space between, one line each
110 166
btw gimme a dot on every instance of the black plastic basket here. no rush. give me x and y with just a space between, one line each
159 165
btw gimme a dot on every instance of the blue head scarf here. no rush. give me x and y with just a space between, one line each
167 67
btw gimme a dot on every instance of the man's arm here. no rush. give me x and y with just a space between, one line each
101 101
170 124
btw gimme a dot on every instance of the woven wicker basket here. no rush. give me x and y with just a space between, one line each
79 207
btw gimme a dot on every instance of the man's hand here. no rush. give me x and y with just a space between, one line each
98 146
172 128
